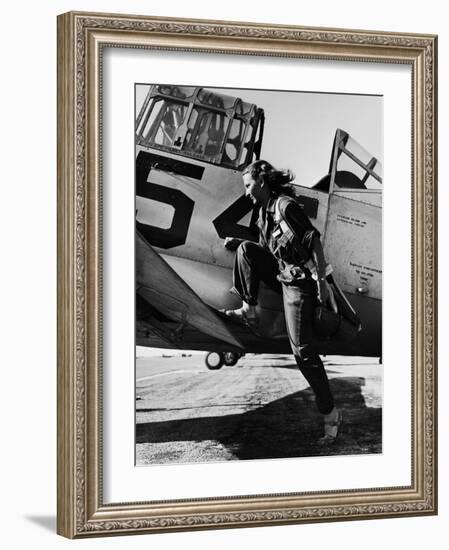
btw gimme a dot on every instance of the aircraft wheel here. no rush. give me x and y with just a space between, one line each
231 358
214 360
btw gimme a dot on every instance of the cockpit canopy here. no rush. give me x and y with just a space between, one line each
202 124
351 167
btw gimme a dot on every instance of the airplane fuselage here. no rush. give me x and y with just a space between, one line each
185 208
192 145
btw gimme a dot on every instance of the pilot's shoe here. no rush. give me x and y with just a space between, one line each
332 425
243 315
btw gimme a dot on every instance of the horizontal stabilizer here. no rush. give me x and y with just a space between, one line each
163 288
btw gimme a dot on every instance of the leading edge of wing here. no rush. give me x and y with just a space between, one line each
159 285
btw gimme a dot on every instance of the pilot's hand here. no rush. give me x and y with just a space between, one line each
232 243
323 291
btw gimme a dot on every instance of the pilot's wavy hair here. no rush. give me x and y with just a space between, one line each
279 181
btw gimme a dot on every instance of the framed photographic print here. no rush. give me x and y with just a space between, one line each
247 274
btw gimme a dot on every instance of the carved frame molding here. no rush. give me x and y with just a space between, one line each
81 38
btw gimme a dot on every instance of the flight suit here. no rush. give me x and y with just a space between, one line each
280 259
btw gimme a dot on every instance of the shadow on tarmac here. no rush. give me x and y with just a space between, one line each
287 427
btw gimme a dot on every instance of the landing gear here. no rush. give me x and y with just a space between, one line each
214 360
231 358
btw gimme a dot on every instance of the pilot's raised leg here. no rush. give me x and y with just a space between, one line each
299 305
253 264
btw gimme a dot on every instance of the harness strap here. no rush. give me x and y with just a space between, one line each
289 236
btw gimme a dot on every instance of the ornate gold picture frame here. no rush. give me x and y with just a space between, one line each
82 41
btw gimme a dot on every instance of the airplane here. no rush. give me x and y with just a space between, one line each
192 145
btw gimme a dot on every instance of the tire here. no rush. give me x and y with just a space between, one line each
231 358
214 360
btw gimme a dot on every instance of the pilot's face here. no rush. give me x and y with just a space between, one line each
254 188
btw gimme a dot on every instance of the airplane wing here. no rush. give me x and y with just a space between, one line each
169 313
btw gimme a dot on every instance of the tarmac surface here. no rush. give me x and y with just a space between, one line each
261 408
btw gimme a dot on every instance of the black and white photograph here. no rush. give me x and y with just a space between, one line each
258 274
222 317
